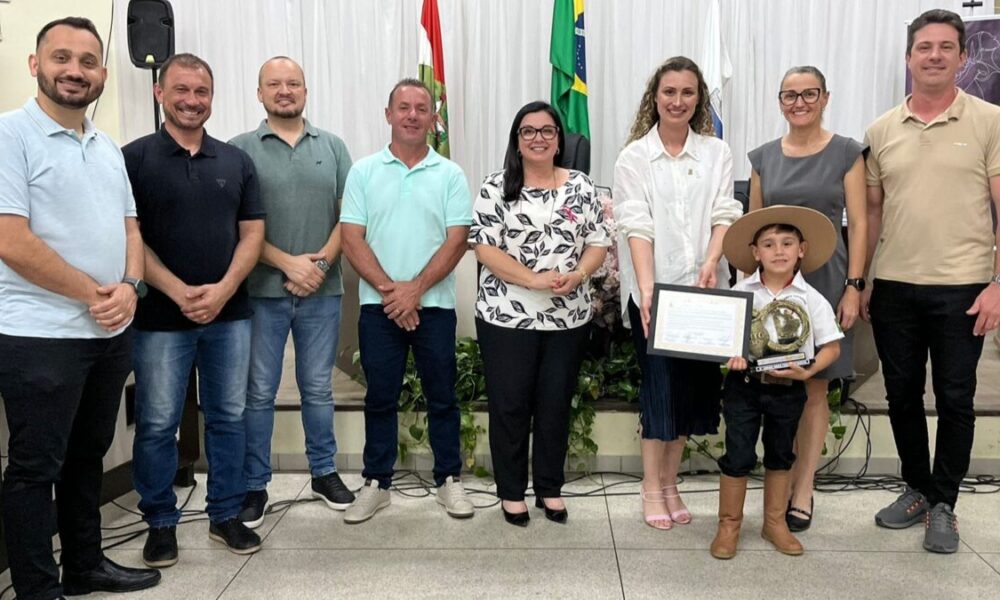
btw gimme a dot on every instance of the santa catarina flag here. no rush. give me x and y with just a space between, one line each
432 74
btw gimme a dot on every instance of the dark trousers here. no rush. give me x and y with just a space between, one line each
530 380
746 403
61 398
909 322
384 347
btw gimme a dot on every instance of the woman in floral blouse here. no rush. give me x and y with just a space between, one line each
538 231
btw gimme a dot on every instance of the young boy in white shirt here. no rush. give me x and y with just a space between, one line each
775 245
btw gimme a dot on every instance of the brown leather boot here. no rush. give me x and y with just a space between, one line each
775 501
732 493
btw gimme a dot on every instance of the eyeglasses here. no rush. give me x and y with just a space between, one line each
529 133
809 96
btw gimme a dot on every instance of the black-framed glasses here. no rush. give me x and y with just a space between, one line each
809 96
528 133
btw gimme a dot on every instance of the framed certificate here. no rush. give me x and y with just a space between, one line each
699 323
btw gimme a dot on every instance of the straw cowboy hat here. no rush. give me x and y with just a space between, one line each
816 228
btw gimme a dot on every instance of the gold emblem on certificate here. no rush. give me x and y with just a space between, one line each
777 334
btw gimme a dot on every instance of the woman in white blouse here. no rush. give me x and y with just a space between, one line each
673 192
539 232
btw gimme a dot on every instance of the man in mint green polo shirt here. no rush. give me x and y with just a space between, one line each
407 213
296 287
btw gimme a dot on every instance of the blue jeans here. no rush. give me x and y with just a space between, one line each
315 326
162 362
384 347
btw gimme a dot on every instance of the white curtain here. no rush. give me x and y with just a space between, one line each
496 59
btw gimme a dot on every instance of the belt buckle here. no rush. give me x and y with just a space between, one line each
768 379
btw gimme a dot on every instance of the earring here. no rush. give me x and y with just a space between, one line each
557 151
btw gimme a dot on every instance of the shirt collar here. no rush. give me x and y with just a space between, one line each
430 160
264 130
49 125
798 282
654 145
208 144
953 112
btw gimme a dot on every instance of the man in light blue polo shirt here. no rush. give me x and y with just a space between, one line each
406 216
71 262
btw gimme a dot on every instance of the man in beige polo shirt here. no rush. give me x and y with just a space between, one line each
933 170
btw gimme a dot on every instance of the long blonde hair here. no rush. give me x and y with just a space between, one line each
646 117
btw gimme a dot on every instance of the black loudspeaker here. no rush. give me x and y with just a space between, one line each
150 32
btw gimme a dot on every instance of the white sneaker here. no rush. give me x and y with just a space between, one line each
370 500
452 497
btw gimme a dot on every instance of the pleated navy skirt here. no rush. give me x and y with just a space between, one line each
678 396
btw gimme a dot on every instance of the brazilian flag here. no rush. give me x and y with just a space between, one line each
569 66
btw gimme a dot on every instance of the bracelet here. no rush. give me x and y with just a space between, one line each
584 275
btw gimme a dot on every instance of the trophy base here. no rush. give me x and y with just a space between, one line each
781 361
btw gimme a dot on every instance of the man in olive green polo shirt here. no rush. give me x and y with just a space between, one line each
933 171
297 286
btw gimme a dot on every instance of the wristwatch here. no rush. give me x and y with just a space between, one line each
855 282
322 265
141 289
995 279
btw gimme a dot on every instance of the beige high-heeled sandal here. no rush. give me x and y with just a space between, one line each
652 520
682 516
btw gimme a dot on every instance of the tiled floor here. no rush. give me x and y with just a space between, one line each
413 550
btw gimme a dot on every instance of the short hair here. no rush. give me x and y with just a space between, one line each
188 61
777 228
409 82
74 22
806 70
930 17
260 72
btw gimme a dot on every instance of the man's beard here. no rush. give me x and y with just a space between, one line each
286 113
51 90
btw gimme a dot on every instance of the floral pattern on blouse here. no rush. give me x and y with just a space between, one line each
544 230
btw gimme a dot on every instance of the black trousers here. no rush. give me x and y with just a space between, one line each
61 398
531 377
746 403
911 322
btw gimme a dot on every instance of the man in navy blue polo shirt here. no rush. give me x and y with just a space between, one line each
70 270
201 219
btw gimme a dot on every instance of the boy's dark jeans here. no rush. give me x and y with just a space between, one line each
746 402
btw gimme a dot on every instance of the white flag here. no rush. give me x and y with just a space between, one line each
715 64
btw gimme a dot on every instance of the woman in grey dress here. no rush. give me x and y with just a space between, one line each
810 166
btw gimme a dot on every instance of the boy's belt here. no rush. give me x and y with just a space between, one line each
769 379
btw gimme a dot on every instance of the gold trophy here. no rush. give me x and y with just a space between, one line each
777 333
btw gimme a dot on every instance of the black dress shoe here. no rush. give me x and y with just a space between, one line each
160 549
794 521
556 515
515 518
237 537
109 577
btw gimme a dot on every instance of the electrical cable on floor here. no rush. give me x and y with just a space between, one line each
412 484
